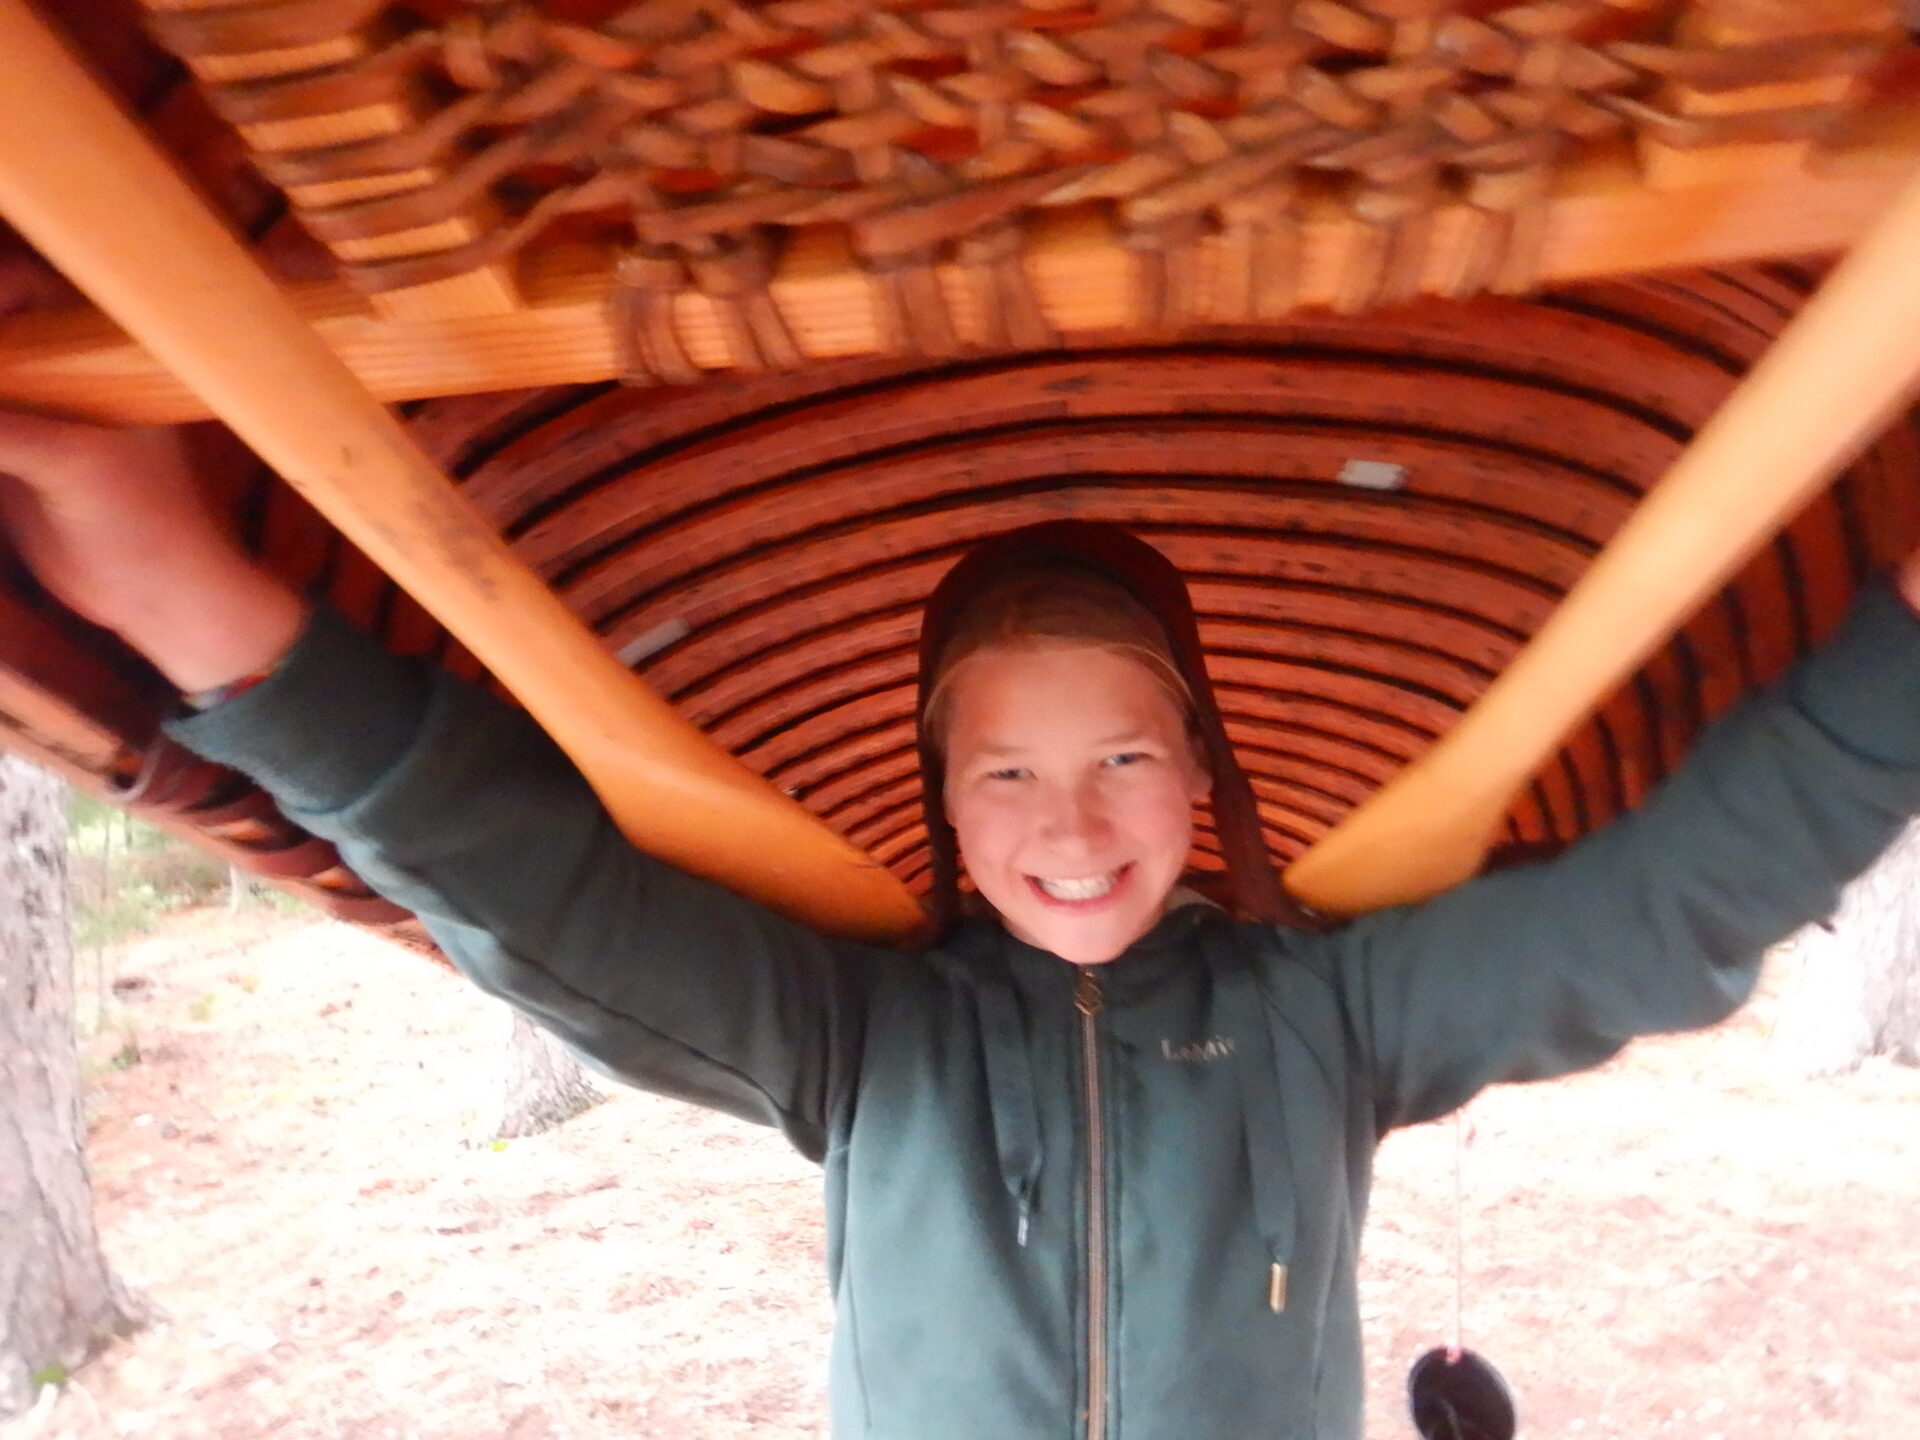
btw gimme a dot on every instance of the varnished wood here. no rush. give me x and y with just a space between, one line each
1602 220
212 316
1836 376
787 526
783 528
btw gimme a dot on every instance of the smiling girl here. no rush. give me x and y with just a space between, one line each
1097 1157
1078 818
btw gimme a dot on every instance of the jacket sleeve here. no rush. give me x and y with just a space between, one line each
457 806
1660 920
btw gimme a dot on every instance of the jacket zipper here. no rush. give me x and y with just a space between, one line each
1087 1000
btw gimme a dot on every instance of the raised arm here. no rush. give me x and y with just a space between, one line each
448 801
1660 920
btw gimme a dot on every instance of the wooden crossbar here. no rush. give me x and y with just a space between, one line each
1603 220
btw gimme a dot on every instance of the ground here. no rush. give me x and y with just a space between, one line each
1688 1243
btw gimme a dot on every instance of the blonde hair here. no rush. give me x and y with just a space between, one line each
1057 603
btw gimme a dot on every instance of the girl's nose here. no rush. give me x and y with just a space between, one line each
1076 816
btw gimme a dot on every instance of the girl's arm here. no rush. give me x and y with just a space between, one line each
1660 920
459 807
450 802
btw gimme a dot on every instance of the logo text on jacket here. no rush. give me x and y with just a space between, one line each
1214 1047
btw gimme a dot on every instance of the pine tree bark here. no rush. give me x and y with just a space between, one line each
543 1086
58 1301
1857 993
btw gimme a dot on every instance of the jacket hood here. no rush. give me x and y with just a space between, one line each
1253 888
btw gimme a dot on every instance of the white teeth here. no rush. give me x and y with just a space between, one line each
1091 888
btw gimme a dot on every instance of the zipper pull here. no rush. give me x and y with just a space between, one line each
1086 993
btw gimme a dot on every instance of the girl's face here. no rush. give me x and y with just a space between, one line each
1071 783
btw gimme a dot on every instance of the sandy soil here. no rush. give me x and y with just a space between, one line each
1687 1243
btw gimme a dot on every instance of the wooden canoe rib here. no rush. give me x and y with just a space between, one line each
1113 267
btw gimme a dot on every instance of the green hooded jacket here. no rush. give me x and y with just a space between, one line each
1124 1204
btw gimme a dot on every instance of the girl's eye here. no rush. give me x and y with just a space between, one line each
1011 772
1126 757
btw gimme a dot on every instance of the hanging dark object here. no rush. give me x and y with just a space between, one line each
1456 1395
1453 1393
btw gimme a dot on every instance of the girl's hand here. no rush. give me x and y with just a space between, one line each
113 525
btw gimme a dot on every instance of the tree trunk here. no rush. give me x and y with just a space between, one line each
58 1302
1858 988
543 1085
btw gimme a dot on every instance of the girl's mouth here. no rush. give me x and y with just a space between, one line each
1084 893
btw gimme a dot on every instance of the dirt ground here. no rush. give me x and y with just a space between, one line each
1687 1243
